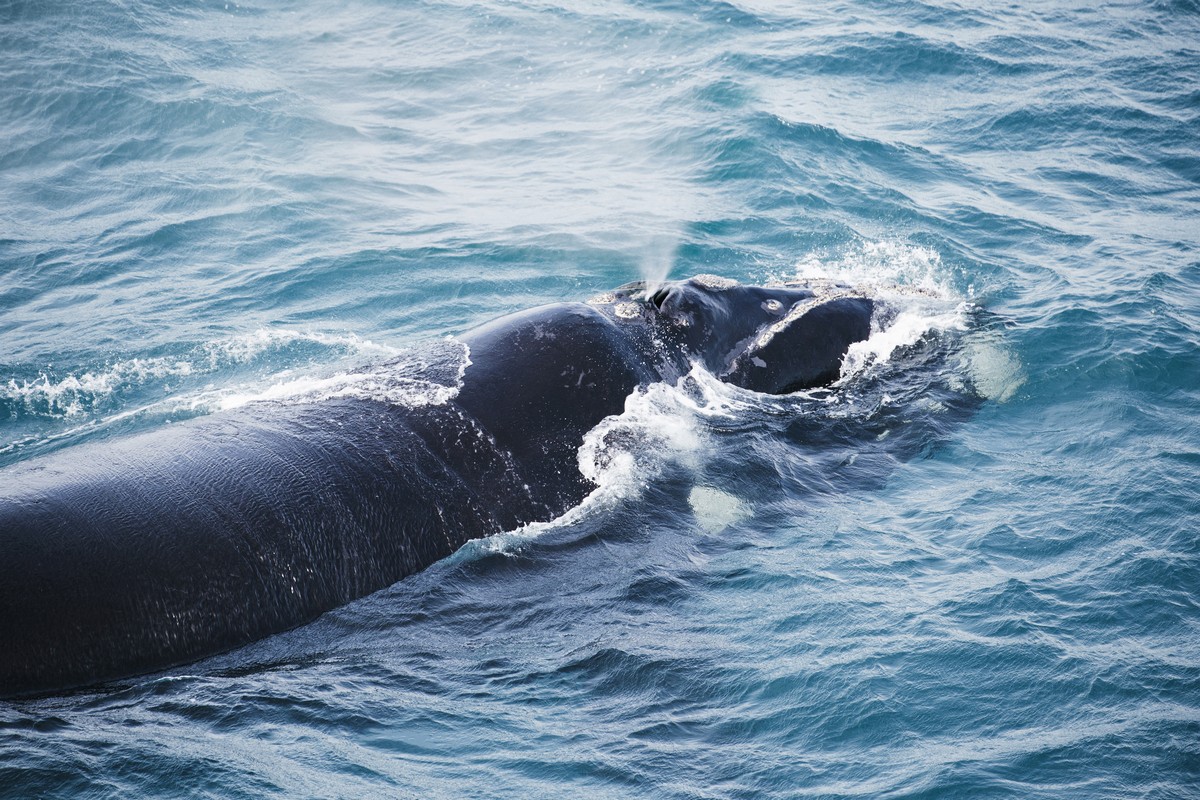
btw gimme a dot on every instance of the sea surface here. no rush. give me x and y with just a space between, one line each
971 569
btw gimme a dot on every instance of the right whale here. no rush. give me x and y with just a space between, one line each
131 556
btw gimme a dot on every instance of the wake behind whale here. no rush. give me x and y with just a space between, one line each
180 543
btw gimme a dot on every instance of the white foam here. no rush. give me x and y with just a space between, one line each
624 452
77 393
904 330
996 372
898 265
913 297
661 426
247 347
74 394
915 300
404 382
716 510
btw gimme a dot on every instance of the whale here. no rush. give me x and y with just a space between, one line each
129 556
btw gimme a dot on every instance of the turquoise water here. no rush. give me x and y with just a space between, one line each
972 570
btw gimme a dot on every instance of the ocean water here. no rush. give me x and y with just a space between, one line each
971 569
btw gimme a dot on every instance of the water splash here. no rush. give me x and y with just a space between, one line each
430 375
886 263
915 300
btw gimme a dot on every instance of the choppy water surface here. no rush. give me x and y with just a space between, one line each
970 570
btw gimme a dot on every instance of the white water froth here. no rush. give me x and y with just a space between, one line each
895 265
715 509
408 381
996 372
915 301
74 394
98 399
905 329
245 348
912 298
662 426
79 392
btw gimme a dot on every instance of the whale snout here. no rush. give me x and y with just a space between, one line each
805 349
771 339
775 340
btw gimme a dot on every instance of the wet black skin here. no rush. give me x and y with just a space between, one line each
124 557
724 328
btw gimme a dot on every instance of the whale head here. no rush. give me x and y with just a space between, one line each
771 339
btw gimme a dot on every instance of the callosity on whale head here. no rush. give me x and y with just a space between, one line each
771 339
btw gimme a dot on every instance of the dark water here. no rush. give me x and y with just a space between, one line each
972 570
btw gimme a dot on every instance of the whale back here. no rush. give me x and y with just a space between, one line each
134 555
540 380
137 554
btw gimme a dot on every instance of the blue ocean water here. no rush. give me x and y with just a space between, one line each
972 570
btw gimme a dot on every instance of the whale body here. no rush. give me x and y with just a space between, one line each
124 557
